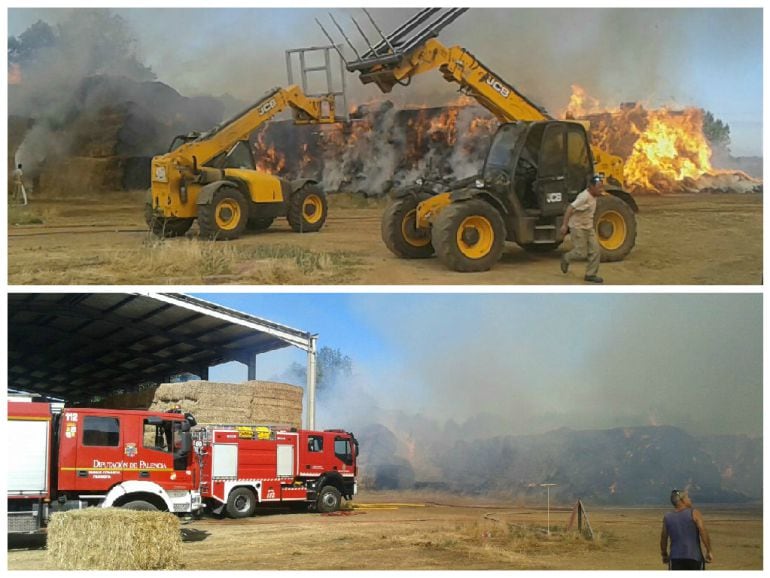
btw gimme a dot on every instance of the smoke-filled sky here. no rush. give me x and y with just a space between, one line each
710 58
534 362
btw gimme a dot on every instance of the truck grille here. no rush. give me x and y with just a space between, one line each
22 522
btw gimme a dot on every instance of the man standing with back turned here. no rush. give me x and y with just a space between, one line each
685 529
579 221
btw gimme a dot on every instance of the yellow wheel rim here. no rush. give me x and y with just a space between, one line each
412 235
228 214
312 209
475 237
611 230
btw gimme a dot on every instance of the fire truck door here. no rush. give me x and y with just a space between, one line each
285 461
150 451
99 461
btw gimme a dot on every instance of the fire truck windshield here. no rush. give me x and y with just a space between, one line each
342 450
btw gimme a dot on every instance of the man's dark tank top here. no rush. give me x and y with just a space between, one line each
685 542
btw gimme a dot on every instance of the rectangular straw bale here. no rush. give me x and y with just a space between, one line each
251 402
114 539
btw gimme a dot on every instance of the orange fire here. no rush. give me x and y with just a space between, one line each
14 73
663 150
580 103
671 148
268 159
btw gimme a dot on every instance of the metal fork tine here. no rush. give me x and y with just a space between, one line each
377 28
331 41
407 27
361 32
353 48
432 29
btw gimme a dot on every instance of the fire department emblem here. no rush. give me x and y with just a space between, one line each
130 450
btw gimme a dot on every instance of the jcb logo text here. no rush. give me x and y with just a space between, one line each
498 86
267 106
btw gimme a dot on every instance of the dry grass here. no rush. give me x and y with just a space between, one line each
461 536
24 215
114 539
183 261
521 546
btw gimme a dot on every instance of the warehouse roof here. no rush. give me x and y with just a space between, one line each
77 346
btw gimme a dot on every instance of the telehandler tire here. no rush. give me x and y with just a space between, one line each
307 209
241 503
329 500
399 229
469 236
170 227
225 217
259 223
615 224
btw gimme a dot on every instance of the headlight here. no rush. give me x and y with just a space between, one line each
419 182
480 184
160 174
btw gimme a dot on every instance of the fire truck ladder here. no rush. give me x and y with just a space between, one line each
391 49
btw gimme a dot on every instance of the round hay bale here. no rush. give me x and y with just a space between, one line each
114 539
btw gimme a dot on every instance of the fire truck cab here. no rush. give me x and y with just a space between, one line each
71 458
246 466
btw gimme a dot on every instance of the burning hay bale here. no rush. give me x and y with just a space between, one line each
114 539
250 402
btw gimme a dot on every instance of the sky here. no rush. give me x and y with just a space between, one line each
539 361
709 58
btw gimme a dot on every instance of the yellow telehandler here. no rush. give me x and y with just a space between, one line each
211 176
535 167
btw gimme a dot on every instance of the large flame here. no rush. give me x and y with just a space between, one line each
671 148
663 150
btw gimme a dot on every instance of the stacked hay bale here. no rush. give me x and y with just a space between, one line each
250 402
114 539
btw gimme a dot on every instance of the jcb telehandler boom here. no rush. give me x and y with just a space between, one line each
535 167
212 176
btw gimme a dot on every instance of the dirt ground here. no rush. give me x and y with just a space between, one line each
399 531
689 240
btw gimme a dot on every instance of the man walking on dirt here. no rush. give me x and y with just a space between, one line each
685 530
579 221
19 193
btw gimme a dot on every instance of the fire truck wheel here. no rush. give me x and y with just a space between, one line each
329 499
241 503
140 505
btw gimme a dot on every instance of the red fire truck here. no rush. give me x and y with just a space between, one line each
243 466
70 458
